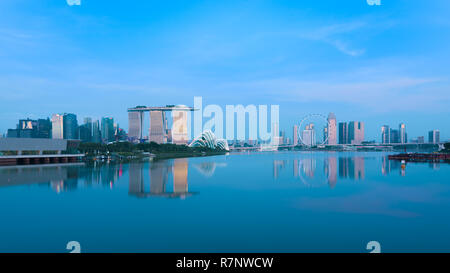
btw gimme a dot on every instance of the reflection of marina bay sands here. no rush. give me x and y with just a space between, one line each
159 131
159 172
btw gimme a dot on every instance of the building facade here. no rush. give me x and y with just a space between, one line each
434 136
343 133
57 126
385 134
70 126
331 130
355 132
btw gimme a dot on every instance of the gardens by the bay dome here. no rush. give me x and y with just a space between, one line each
209 140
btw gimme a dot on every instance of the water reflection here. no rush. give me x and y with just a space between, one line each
159 172
336 166
169 178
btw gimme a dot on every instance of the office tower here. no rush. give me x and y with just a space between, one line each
403 134
96 133
332 130
309 135
343 133
44 128
421 140
135 124
325 134
158 127
179 132
434 136
385 134
57 126
395 136
355 132
13 133
295 135
85 130
70 126
107 130
28 128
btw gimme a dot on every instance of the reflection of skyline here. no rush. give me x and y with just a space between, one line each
278 166
305 168
330 170
159 172
64 177
352 167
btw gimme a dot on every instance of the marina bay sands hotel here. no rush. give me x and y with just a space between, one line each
159 132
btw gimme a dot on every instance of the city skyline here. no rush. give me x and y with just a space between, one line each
65 126
372 60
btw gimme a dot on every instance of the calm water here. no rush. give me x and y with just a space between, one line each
257 202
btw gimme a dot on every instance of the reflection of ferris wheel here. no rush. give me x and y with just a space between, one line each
304 120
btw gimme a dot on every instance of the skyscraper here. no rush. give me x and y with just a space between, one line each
85 130
57 126
332 130
158 127
421 139
395 136
309 135
295 135
107 130
179 127
135 123
96 133
385 134
355 132
343 133
403 134
70 126
44 128
434 136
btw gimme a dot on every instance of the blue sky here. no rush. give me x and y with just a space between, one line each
378 64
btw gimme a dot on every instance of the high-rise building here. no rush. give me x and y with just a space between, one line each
355 132
85 130
44 128
107 130
343 133
403 134
421 140
332 130
434 136
135 123
179 132
309 135
295 135
395 136
385 134
70 126
158 127
27 128
57 126
96 133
